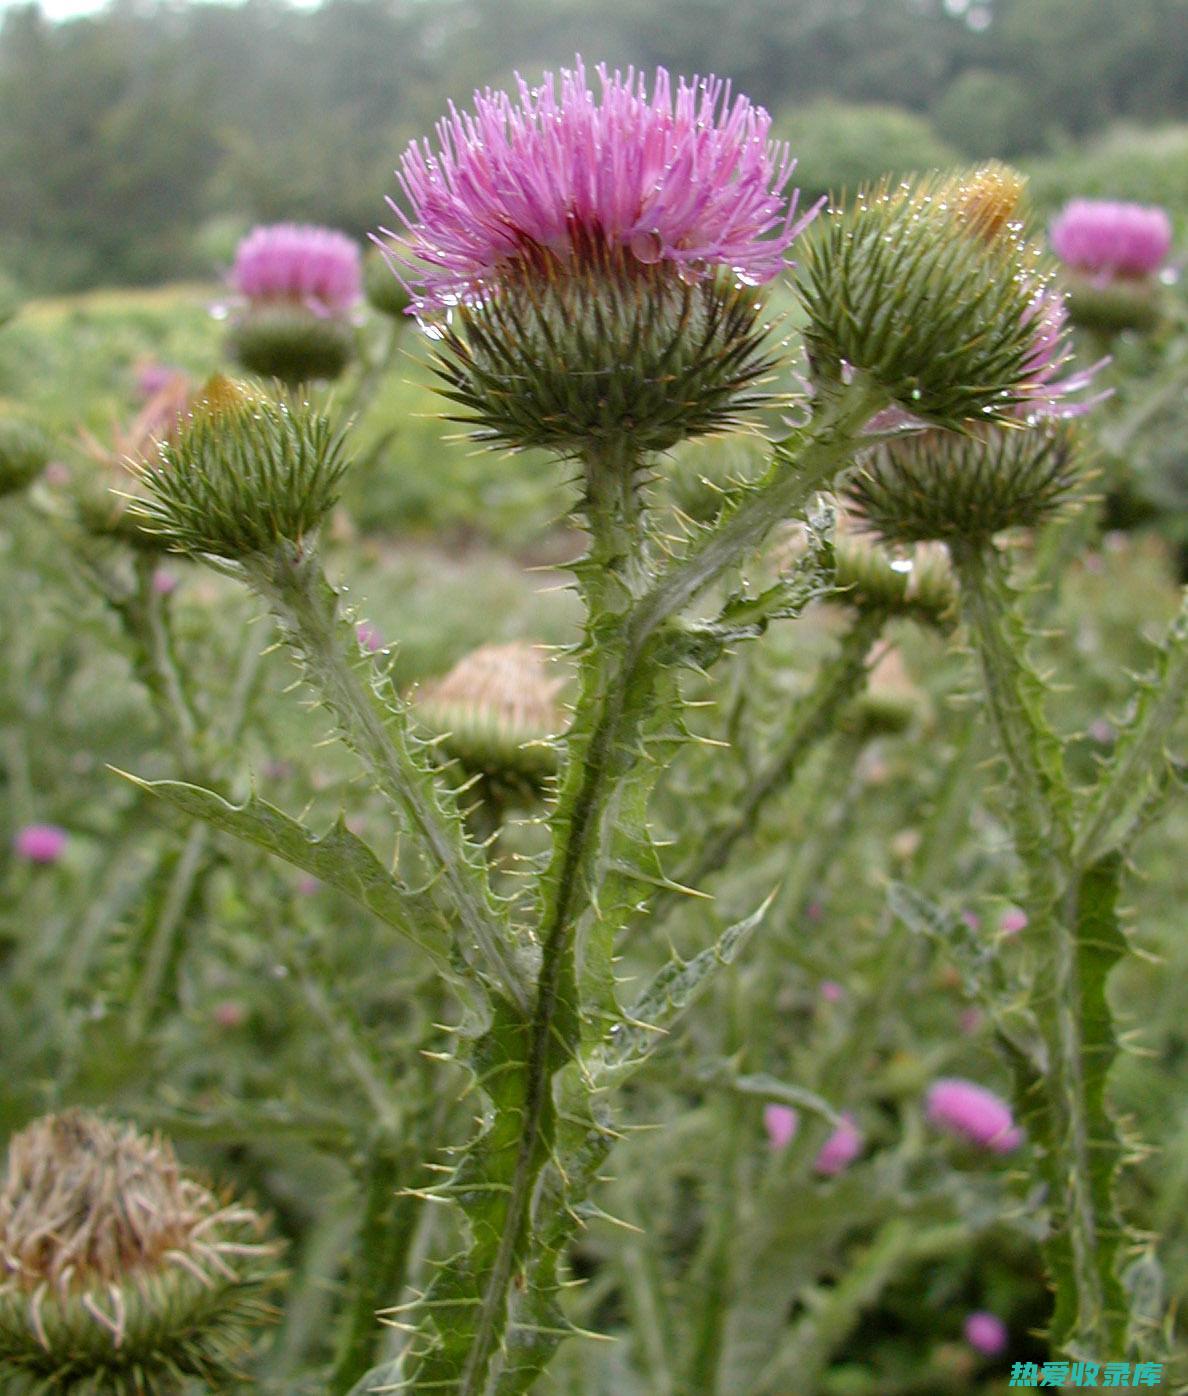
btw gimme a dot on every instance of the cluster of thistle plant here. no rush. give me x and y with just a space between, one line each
577 322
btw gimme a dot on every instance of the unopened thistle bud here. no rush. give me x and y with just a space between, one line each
24 454
244 475
589 265
119 1274
946 486
299 284
869 577
890 704
933 292
496 711
385 290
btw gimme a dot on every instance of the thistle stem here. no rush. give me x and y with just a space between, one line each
307 607
835 684
1042 839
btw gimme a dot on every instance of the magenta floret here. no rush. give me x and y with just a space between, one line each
1105 239
317 267
689 177
973 1112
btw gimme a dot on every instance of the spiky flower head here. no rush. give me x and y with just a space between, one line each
933 292
949 486
299 282
1111 241
246 474
119 1274
974 1113
24 454
299 264
596 257
495 712
292 344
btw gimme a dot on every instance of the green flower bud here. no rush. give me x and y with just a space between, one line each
604 351
292 344
889 704
384 290
919 586
244 474
495 712
24 454
943 485
932 291
119 1274
1115 306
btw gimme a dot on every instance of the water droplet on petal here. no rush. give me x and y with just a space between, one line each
646 246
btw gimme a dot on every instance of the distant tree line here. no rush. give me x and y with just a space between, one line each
136 143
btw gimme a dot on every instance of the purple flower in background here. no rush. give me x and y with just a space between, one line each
781 1123
1108 240
40 843
840 1150
316 267
986 1333
369 637
971 1111
152 377
1013 921
687 177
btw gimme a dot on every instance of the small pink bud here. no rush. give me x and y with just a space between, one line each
971 1111
1013 921
986 1333
230 1014
840 1150
972 920
369 637
781 1123
40 843
831 991
164 582
1101 732
308 886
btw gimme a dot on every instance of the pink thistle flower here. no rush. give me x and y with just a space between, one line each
970 1020
971 919
308 886
230 1014
1108 241
40 843
840 1150
781 1123
690 178
316 267
369 637
164 582
831 991
1044 393
971 1111
1013 921
152 377
986 1333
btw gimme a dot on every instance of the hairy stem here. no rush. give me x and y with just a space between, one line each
835 684
1043 841
308 609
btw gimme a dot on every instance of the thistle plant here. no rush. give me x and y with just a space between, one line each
299 285
591 271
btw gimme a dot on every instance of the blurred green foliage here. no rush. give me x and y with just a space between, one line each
138 140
